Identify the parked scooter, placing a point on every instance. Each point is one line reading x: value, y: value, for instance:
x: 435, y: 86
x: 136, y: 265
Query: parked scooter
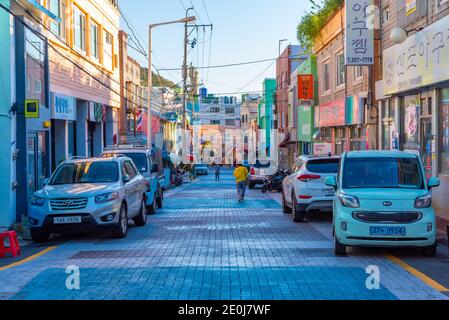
x: 274, y: 182
x: 178, y: 177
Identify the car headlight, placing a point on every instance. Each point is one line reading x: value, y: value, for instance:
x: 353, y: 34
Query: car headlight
x: 423, y: 202
x: 349, y: 201
x: 107, y: 197
x: 37, y: 201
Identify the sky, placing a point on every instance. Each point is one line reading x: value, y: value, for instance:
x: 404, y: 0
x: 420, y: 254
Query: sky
x: 244, y: 30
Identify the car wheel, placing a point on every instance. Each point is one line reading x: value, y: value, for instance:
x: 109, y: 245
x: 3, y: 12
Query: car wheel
x: 264, y: 189
x: 121, y: 230
x: 152, y: 208
x: 339, y: 249
x: 160, y: 200
x: 286, y: 209
x: 40, y: 236
x: 141, y: 219
x: 431, y: 251
x: 251, y: 185
x: 297, y: 214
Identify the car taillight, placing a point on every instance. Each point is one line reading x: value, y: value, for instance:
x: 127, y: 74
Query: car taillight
x: 308, y: 177
x: 305, y: 197
x: 253, y: 172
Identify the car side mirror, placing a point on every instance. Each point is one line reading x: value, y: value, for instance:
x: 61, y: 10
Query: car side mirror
x: 433, y: 183
x: 46, y: 181
x: 331, y: 182
x: 126, y: 179
x: 155, y: 168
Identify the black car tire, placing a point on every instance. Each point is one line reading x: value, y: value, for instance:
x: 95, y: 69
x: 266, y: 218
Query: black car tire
x: 251, y: 185
x: 152, y: 208
x: 339, y: 249
x: 160, y: 200
x: 121, y: 230
x: 431, y: 251
x: 285, y: 209
x: 298, y: 214
x: 264, y: 189
x: 141, y: 219
x: 39, y: 236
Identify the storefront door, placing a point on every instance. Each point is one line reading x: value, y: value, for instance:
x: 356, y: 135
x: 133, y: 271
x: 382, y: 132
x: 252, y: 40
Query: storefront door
x: 37, y: 161
x: 426, y: 145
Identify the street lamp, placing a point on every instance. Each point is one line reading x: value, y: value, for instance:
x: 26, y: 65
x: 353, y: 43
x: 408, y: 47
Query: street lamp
x: 280, y: 43
x: 150, y: 76
x: 399, y: 35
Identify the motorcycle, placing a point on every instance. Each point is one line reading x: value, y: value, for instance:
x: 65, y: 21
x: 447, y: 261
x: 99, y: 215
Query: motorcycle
x: 274, y: 182
x: 178, y: 177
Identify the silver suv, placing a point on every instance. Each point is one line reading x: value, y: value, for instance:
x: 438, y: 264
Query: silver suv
x: 85, y: 195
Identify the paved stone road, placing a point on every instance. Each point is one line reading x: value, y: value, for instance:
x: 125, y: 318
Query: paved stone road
x: 206, y: 245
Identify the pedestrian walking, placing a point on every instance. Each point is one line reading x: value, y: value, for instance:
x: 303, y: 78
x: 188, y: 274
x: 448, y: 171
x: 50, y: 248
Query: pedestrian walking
x: 241, y: 175
x: 217, y: 172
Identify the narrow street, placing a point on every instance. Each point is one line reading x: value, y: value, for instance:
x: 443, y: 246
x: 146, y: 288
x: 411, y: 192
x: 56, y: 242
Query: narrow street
x: 206, y: 245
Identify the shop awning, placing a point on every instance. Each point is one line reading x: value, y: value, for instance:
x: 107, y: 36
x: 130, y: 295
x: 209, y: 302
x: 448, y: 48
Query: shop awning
x: 287, y: 141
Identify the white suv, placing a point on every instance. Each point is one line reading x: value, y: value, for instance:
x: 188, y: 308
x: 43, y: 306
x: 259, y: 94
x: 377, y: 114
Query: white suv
x: 304, y: 190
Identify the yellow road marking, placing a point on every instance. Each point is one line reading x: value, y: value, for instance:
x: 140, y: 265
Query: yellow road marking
x: 30, y: 258
x: 429, y: 281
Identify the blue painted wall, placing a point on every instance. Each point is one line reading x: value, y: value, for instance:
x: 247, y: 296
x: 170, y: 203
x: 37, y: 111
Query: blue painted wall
x: 7, y: 214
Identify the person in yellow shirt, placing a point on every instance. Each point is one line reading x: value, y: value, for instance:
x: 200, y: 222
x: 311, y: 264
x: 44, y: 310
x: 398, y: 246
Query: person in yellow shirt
x: 241, y: 175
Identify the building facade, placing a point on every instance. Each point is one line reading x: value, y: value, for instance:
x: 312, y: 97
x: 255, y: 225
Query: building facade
x: 131, y: 93
x: 345, y: 115
x: 219, y: 111
x: 414, y: 92
x: 84, y: 76
x: 266, y: 119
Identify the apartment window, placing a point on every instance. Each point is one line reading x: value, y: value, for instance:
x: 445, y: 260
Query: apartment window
x: 108, y: 51
x: 95, y: 40
x: 229, y: 111
x: 340, y: 69
x: 326, y: 77
x: 38, y: 86
x: 441, y: 5
x: 358, y: 72
x: 214, y: 110
x: 58, y: 8
x: 230, y: 122
x: 385, y: 14
x: 79, y: 29
x: 28, y: 83
x: 215, y: 122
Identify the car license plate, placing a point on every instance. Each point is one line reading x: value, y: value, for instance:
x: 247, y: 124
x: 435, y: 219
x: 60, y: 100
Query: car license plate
x: 67, y: 220
x: 387, y: 231
x: 329, y: 193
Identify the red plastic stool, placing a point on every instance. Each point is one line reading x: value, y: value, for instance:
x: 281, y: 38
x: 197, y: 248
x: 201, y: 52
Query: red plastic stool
x: 14, y: 247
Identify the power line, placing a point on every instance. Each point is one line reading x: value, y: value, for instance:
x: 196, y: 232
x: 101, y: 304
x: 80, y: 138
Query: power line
x: 239, y: 63
x: 207, y: 13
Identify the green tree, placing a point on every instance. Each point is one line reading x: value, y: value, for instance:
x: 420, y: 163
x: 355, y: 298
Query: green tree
x: 312, y: 22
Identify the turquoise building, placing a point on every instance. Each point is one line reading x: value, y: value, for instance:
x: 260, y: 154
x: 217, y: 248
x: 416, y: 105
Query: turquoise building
x: 7, y: 196
x: 265, y: 112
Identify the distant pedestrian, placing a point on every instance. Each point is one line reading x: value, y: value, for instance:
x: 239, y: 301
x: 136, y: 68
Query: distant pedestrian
x: 217, y: 172
x: 241, y: 175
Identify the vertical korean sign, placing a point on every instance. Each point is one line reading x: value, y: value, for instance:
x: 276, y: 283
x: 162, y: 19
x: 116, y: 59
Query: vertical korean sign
x: 359, y: 35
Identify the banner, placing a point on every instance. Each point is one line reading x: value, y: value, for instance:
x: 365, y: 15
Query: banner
x: 422, y: 60
x: 306, y: 87
x: 63, y: 107
x: 410, y: 6
x: 359, y: 35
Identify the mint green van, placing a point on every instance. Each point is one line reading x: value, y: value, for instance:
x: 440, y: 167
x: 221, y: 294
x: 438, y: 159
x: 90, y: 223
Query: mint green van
x: 383, y: 199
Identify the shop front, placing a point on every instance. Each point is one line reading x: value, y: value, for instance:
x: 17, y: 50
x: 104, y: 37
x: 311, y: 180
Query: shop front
x: 63, y: 129
x: 33, y: 122
x: 331, y: 121
x: 420, y: 89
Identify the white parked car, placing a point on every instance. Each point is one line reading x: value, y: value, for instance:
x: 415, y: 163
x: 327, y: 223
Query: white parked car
x: 304, y: 190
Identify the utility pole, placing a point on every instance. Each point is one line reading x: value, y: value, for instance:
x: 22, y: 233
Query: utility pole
x: 184, y: 73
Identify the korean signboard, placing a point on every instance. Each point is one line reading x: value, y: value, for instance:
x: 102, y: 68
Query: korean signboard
x: 423, y: 59
x: 305, y: 87
x: 359, y: 35
x: 332, y: 114
x: 96, y: 112
x: 63, y: 107
x: 410, y: 6
x: 322, y: 149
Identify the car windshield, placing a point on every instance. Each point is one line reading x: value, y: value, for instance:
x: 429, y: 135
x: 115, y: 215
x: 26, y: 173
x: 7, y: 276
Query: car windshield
x: 382, y: 173
x: 201, y: 166
x: 139, y: 159
x: 86, y: 172
x: 323, y: 166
